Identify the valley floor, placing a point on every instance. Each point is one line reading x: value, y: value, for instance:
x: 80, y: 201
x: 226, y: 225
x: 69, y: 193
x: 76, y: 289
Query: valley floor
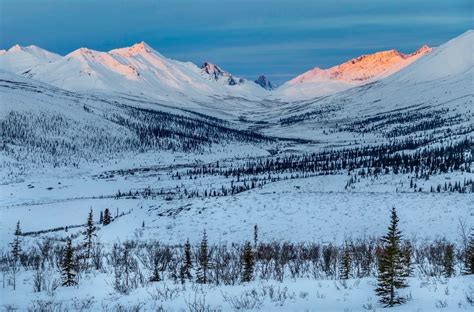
x: 317, y: 208
x: 320, y: 208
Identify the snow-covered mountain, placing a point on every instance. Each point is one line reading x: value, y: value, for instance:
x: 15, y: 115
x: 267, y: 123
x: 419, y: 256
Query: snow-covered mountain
x: 358, y: 71
x: 434, y: 92
x: 19, y: 59
x: 140, y: 70
x: 453, y: 59
x: 442, y: 79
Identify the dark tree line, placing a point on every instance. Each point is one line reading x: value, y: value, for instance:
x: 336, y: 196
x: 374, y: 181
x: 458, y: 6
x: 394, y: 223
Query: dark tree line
x: 58, y: 140
x: 379, y: 159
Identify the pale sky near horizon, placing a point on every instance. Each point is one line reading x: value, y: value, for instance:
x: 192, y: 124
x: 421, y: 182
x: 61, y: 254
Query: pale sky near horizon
x: 280, y: 39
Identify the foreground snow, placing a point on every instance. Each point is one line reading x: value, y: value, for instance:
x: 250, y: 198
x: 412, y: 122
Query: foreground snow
x: 96, y: 293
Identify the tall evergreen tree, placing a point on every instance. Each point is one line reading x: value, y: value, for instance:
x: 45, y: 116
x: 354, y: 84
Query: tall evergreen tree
x: 203, y: 268
x: 16, y: 244
x: 89, y: 234
x: 248, y: 263
x: 157, y: 267
x: 345, y: 267
x: 15, y: 253
x: 255, y: 237
x: 392, y: 271
x: 469, y: 256
x: 107, y: 217
x: 448, y: 261
x: 188, y: 263
x: 185, y: 269
x: 67, y: 266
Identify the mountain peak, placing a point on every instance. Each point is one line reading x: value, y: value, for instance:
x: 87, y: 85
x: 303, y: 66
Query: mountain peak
x: 263, y: 81
x: 218, y: 74
x: 15, y: 48
x: 213, y: 70
x: 19, y: 59
x: 363, y: 68
x: 82, y: 52
x: 137, y: 48
x: 423, y: 49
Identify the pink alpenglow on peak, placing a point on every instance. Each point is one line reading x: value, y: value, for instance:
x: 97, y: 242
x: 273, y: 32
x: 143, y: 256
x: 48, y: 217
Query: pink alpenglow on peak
x: 358, y: 71
x: 15, y: 48
x: 137, y: 48
x: 363, y: 68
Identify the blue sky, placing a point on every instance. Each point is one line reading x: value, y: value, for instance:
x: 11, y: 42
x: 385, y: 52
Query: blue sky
x: 278, y: 38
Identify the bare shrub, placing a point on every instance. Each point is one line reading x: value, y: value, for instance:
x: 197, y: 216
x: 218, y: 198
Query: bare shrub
x: 45, y: 306
x: 197, y: 303
x: 470, y: 295
x: 164, y: 293
x: 246, y: 301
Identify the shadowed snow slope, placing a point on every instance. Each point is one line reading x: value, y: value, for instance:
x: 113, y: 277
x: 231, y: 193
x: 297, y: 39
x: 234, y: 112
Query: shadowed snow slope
x: 454, y: 58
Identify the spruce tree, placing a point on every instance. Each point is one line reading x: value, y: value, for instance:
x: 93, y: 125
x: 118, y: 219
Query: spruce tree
x: 392, y: 271
x: 89, y: 233
x: 248, y: 263
x: 345, y: 268
x: 255, y: 237
x: 469, y: 256
x: 67, y: 266
x: 156, y: 276
x: 107, y: 218
x: 448, y: 261
x: 203, y: 267
x: 185, y: 268
x: 16, y: 244
x: 187, y: 263
x: 15, y: 253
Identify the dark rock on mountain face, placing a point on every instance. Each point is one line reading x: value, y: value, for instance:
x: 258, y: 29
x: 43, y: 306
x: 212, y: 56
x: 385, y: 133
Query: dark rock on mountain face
x: 218, y: 74
x: 263, y: 81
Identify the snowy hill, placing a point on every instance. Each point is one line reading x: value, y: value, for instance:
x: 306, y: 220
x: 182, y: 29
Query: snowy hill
x: 435, y: 92
x: 454, y: 58
x: 19, y: 59
x: 140, y: 70
x: 436, y: 84
x: 358, y: 71
x: 137, y: 70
